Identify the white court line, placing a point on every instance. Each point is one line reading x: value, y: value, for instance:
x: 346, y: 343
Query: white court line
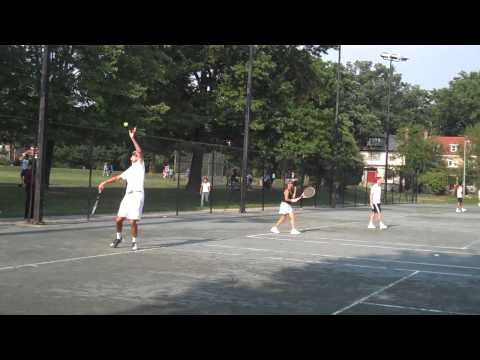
x: 348, y: 240
x: 15, y: 267
x: 469, y: 245
x: 415, y: 308
x: 346, y: 257
x: 312, y: 228
x: 375, y: 293
x: 399, y: 248
x: 440, y: 273
x: 323, y: 262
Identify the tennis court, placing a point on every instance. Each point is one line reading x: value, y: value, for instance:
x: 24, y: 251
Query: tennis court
x: 225, y: 263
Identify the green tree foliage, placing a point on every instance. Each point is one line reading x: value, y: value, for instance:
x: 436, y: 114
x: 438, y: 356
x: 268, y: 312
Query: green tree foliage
x: 434, y: 181
x: 420, y: 152
x: 458, y: 107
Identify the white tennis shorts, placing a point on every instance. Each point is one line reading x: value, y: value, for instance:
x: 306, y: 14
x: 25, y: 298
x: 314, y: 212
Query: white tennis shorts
x: 285, y: 208
x: 131, y: 206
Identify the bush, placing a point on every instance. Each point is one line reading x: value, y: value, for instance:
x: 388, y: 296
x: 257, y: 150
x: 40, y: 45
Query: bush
x: 4, y: 162
x: 434, y: 181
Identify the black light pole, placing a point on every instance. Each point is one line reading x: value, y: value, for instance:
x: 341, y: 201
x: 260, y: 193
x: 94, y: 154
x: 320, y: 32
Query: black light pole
x: 335, y: 149
x: 391, y: 58
x: 42, y: 140
x: 243, y: 189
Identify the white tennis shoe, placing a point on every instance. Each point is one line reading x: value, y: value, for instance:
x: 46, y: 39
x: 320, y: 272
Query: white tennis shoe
x: 295, y: 232
x: 371, y: 226
x: 383, y: 227
x: 275, y: 230
x: 134, y: 246
x: 463, y: 209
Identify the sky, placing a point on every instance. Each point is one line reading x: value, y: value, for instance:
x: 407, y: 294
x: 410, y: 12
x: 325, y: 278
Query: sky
x: 430, y: 66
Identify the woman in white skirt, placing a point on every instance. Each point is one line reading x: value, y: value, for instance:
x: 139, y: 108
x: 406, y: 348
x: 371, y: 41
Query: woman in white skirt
x: 286, y: 209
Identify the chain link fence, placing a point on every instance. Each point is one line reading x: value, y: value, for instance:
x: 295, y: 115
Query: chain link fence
x: 78, y: 159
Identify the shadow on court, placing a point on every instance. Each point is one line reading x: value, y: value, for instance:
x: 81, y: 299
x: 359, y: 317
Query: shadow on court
x: 322, y: 288
x: 205, y: 264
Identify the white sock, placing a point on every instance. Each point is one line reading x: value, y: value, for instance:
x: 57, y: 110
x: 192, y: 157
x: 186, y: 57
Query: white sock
x: 134, y: 240
x: 119, y: 235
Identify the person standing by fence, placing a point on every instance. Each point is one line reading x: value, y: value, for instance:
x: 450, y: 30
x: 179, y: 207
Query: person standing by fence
x: 205, y: 188
x: 459, y: 193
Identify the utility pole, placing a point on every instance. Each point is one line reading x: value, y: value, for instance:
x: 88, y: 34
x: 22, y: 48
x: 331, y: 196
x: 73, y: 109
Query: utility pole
x: 333, y: 195
x: 391, y: 58
x: 41, y: 141
x: 243, y: 189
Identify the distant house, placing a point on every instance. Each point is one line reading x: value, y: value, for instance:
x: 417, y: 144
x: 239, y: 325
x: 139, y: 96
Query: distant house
x: 452, y: 154
x: 374, y: 156
x: 450, y: 147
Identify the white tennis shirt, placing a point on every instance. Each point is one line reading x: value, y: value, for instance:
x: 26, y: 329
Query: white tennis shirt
x: 205, y: 186
x: 376, y: 193
x: 135, y: 176
x: 459, y: 191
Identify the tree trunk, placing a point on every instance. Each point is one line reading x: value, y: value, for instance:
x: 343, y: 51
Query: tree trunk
x: 49, y: 161
x: 153, y: 164
x: 195, y: 176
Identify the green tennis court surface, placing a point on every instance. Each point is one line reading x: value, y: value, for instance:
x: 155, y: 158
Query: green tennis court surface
x: 225, y: 263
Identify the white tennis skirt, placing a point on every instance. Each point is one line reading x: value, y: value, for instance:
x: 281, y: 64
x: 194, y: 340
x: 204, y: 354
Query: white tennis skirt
x: 285, y: 208
x: 131, y: 206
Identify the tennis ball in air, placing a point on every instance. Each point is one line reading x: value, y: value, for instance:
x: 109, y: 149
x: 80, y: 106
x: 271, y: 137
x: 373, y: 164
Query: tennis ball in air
x: 125, y: 124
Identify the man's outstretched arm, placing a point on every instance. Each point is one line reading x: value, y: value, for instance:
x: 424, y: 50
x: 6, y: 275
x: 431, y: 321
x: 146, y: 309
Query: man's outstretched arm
x: 138, y: 149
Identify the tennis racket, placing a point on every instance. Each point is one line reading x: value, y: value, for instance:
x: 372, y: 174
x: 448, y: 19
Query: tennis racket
x: 96, y: 202
x: 308, y: 192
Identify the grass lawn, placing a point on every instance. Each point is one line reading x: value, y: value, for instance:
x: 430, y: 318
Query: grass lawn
x: 69, y: 194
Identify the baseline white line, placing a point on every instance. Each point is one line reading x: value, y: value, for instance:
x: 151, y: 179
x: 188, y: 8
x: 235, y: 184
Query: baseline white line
x: 279, y: 258
x: 348, y: 240
x: 400, y: 248
x: 469, y: 245
x: 312, y: 228
x: 15, y: 267
x: 322, y: 262
x: 415, y: 308
x: 346, y: 257
x: 375, y: 293
x: 440, y: 273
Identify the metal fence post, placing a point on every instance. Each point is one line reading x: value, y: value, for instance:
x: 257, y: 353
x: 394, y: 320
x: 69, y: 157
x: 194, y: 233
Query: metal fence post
x: 178, y: 187
x: 210, y: 200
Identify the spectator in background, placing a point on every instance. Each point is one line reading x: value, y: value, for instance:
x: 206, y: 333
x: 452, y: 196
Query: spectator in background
x: 267, y: 181
x: 23, y: 168
x: 29, y: 183
x: 249, y: 181
x: 105, y: 169
x: 459, y: 192
x: 170, y: 173
x: 204, y: 190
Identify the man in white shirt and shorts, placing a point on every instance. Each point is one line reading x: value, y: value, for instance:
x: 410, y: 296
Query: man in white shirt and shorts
x: 131, y: 207
x: 375, y: 205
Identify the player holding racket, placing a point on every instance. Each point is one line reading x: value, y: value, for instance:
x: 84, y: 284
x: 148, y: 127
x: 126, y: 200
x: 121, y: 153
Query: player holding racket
x: 288, y: 197
x: 131, y: 207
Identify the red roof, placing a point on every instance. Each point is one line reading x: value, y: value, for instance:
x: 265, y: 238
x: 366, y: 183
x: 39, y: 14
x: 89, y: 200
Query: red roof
x: 446, y: 141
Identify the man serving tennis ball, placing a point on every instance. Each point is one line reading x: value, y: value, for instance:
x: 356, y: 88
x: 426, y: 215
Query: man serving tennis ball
x: 131, y: 207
